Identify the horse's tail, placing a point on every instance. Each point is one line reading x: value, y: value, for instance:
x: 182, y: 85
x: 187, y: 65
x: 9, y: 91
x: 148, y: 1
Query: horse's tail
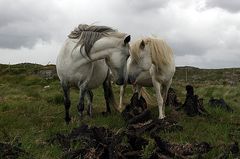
x: 147, y: 96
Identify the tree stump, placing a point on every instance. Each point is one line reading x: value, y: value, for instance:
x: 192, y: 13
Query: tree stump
x: 193, y: 105
x: 172, y: 100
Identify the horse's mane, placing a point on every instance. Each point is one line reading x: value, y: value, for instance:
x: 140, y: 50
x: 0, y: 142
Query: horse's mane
x: 89, y: 34
x: 161, y: 53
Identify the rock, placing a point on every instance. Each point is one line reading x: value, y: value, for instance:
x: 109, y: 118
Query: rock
x: 46, y: 87
x: 50, y: 73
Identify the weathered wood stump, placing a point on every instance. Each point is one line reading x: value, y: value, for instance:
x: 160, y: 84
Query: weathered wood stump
x: 193, y: 105
x: 172, y: 99
x: 136, y: 111
x: 220, y: 103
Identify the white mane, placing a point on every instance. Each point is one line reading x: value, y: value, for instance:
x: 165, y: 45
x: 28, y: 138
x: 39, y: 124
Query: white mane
x: 89, y: 34
x: 161, y: 53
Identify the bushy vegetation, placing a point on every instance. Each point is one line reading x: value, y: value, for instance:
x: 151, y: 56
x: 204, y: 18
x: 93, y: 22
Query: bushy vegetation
x: 31, y: 113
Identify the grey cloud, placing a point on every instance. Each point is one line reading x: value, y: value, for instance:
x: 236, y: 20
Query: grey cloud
x: 229, y: 5
x: 187, y: 47
x: 145, y: 6
x: 25, y: 39
x: 23, y: 23
x: 190, y: 32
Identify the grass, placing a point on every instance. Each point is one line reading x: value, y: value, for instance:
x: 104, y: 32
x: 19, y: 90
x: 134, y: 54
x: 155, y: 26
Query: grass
x: 31, y: 113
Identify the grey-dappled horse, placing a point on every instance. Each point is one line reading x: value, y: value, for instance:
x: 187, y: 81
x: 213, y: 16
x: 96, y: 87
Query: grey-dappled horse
x: 85, y: 59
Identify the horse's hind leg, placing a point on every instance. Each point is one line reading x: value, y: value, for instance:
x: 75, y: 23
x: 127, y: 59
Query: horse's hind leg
x: 80, y: 106
x: 108, y: 94
x: 138, y: 89
x: 165, y: 88
x: 89, y: 102
x: 67, y: 102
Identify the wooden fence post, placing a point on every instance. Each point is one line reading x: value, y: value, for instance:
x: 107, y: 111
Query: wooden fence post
x: 186, y: 74
x: 9, y: 67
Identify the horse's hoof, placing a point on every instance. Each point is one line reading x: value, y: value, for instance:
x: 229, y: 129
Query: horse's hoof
x: 80, y: 115
x: 67, y: 120
x: 120, y: 107
x: 89, y: 114
x: 162, y: 117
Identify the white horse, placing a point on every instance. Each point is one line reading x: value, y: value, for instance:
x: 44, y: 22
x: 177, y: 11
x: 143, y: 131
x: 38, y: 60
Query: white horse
x: 151, y: 63
x: 84, y: 61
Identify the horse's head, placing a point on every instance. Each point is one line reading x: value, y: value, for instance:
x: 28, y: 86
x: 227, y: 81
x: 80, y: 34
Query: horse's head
x: 102, y: 42
x: 139, y: 60
x: 117, y: 60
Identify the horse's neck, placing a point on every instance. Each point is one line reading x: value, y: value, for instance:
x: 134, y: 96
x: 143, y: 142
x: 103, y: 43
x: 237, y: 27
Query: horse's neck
x: 100, y: 50
x: 103, y: 47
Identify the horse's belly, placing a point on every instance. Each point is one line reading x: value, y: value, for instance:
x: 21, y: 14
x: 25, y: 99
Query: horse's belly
x: 99, y: 74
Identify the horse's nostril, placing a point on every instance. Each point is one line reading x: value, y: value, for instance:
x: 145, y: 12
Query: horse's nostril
x: 131, y: 79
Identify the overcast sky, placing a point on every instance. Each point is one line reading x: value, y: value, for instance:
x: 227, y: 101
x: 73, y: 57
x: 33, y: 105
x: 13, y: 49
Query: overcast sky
x: 202, y: 33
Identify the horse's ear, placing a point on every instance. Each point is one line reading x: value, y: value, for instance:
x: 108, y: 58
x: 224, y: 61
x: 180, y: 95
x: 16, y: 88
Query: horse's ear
x: 142, y: 45
x: 127, y: 39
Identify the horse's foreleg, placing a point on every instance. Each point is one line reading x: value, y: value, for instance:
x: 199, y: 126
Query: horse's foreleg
x: 157, y: 87
x: 122, y: 91
x: 138, y: 90
x: 108, y: 94
x: 89, y: 102
x: 67, y: 102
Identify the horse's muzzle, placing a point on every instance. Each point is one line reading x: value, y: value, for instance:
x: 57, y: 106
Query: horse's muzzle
x: 131, y: 80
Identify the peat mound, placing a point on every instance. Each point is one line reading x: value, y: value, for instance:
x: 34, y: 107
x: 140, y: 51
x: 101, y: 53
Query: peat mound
x: 102, y: 143
x: 172, y: 99
x: 98, y: 142
x: 182, y: 151
x: 220, y: 103
x: 10, y: 151
x: 193, y: 105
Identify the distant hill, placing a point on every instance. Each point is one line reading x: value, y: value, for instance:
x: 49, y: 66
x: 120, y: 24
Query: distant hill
x: 213, y: 76
x: 187, y: 74
x: 47, y: 71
